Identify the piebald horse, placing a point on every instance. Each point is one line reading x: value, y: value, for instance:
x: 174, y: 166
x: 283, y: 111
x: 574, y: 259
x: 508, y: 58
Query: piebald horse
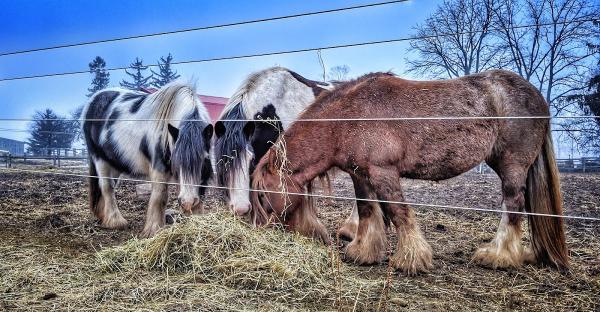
x: 161, y: 136
x: 377, y: 154
x: 272, y: 99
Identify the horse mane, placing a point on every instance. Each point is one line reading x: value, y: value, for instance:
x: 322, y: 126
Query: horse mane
x: 342, y: 87
x: 259, y: 215
x: 230, y: 143
x: 165, y: 105
x: 246, y: 87
x: 190, y: 148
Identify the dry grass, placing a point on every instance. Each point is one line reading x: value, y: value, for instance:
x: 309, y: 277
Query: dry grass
x: 53, y: 256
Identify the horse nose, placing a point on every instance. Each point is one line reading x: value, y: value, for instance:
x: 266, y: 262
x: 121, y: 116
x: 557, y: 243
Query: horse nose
x: 240, y: 209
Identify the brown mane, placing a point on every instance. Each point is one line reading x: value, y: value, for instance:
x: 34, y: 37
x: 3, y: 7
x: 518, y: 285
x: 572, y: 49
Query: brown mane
x: 259, y: 214
x: 340, y: 90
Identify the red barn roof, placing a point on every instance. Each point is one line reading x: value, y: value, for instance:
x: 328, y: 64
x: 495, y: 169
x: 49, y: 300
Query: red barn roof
x: 214, y: 104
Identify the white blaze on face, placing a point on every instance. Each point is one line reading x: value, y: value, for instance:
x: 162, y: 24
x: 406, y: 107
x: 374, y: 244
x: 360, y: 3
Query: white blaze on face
x: 188, y: 194
x: 239, y: 183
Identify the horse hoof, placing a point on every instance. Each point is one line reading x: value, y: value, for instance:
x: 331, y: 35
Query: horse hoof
x: 492, y: 256
x: 347, y: 232
x: 412, y: 266
x: 362, y: 254
x: 149, y: 232
x: 414, y: 256
x: 322, y: 236
x: 116, y: 223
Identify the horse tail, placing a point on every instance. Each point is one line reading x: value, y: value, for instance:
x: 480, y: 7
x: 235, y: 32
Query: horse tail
x: 94, y: 192
x: 543, y: 196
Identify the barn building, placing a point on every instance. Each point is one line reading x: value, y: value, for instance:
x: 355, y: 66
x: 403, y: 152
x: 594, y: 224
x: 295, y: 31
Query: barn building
x: 13, y: 146
x: 214, y: 105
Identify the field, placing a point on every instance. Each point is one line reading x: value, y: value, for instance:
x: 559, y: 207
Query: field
x: 50, y: 243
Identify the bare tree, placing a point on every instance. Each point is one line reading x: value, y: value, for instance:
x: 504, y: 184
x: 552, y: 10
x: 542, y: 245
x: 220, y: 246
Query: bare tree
x: 456, y: 40
x: 339, y: 73
x: 552, y: 51
x: 522, y: 44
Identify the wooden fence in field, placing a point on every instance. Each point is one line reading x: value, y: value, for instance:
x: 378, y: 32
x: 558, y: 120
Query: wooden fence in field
x: 584, y: 164
x: 55, y: 157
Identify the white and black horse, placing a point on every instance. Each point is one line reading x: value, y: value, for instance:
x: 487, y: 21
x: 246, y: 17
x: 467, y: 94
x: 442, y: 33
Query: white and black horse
x: 274, y: 93
x: 163, y: 136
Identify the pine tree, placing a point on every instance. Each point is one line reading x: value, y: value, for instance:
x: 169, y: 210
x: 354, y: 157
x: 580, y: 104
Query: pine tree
x: 101, y: 75
x: 165, y: 73
x: 139, y: 81
x: 48, y: 130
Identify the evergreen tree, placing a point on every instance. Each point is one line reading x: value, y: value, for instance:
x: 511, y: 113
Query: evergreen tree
x: 165, y: 74
x: 139, y: 81
x: 101, y: 75
x: 48, y: 130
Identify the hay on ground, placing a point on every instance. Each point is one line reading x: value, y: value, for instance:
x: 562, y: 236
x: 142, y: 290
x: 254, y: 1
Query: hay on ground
x: 220, y: 249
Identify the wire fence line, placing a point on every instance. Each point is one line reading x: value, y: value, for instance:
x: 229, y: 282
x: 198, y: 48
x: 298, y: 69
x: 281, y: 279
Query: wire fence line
x: 417, y: 118
x: 330, y: 47
x: 194, y: 29
x: 414, y: 204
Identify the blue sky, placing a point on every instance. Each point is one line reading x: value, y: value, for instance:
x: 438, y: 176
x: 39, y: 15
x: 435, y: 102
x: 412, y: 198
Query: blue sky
x: 34, y: 24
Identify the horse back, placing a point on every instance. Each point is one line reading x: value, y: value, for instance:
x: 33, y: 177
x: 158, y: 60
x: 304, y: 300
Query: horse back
x: 435, y: 147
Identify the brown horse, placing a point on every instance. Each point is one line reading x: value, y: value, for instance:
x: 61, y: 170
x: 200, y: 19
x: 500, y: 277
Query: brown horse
x: 378, y: 153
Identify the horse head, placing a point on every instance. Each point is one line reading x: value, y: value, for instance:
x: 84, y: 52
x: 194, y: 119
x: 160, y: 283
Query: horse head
x: 241, y: 144
x: 275, y: 193
x: 190, y: 161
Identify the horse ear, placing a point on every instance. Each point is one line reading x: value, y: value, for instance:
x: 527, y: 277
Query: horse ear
x: 219, y: 129
x: 249, y: 129
x: 207, y: 133
x: 174, y: 132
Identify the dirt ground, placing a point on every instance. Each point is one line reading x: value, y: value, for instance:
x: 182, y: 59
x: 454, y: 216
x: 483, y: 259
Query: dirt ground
x: 46, y: 230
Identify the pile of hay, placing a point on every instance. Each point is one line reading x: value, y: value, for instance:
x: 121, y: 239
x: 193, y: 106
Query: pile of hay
x: 272, y: 264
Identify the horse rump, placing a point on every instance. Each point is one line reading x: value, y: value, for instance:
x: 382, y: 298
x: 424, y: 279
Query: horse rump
x: 543, y: 196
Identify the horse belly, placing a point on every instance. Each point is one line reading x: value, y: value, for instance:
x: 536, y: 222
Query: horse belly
x: 441, y: 157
